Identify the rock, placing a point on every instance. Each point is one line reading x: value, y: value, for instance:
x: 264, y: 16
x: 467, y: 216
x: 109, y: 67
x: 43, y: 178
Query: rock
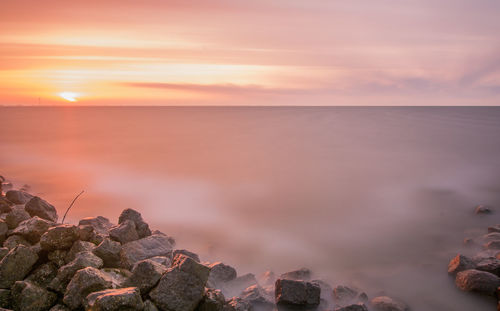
x: 186, y: 253
x: 3, y: 251
x: 100, y: 224
x: 237, y: 286
x: 267, y: 278
x: 483, y: 209
x: 492, y: 236
x: 18, y: 197
x: 3, y: 230
x: 16, y: 265
x: 151, y: 246
x: 221, y: 273
x: 344, y: 295
x: 460, y: 263
x: 84, y: 282
x: 58, y: 257
x: 297, y: 293
x: 5, y: 205
x: 15, y: 240
x: 5, y: 298
x: 66, y: 273
x: 162, y: 260
x: 16, y: 216
x: 32, y: 229
x: 477, y: 281
x: 43, y: 275
x: 181, y: 287
x: 384, y: 303
x: 170, y: 239
x: 118, y: 276
x: 303, y: 274
x: 258, y: 298
x: 109, y: 252
x: 495, y: 228
x: 134, y: 216
x: 491, y: 265
x: 59, y: 237
x: 149, y: 306
x: 124, y: 232
x: 492, y: 245
x: 145, y: 275
x: 28, y: 296
x: 79, y: 246
x: 489, y: 253
x: 115, y: 300
x: 237, y: 304
x: 326, y: 297
x: 213, y: 300
x: 353, y: 307
x: 41, y: 208
x: 59, y: 307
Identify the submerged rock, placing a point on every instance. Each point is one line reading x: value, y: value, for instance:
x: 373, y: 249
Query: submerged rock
x: 237, y: 286
x: 151, y: 246
x: 132, y: 215
x: 115, y: 300
x: 478, y: 281
x: 16, y: 265
x: 297, y: 293
x: 28, y: 296
x: 384, y: 303
x: 41, y: 208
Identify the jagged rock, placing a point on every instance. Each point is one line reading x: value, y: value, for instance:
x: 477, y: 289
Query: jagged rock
x: 3, y: 251
x: 16, y: 265
x: 181, y: 287
x: 353, y: 307
x: 109, y: 252
x: 28, y: 296
x: 87, y: 233
x: 478, y: 281
x: 58, y: 257
x: 43, y: 275
x: 151, y: 246
x: 384, y: 303
x: 15, y: 240
x: 59, y: 307
x: 59, y: 237
x: 492, y: 245
x: 66, y: 273
x: 124, y: 232
x: 41, y: 208
x: 5, y: 298
x: 3, y: 231
x: 460, y: 263
x: 237, y: 286
x: 115, y: 300
x: 162, y: 260
x: 118, y: 276
x: 145, y: 275
x: 237, y: 304
x: 134, y: 216
x: 100, y: 224
x: 483, y: 209
x: 170, y: 239
x: 32, y: 229
x: 213, y: 300
x: 267, y: 278
x: 221, y: 273
x: 16, y: 216
x: 491, y: 265
x: 84, y: 282
x: 149, y: 306
x: 5, y: 205
x: 258, y: 298
x: 18, y: 197
x: 297, y: 293
x: 495, y: 228
x: 186, y: 253
x: 303, y: 274
x: 79, y: 246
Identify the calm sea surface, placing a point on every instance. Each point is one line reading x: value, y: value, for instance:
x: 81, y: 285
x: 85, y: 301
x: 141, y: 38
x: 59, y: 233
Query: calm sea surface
x: 378, y: 197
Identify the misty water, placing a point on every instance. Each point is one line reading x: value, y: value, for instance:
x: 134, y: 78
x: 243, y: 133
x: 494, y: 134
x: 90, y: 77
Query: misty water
x: 380, y: 198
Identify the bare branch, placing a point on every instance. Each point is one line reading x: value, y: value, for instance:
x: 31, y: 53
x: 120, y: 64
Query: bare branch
x: 71, y: 206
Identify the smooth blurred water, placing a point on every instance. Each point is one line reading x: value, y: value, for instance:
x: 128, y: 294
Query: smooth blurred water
x: 377, y: 197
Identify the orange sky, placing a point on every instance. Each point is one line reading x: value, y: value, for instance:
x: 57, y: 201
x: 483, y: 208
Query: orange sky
x: 280, y: 52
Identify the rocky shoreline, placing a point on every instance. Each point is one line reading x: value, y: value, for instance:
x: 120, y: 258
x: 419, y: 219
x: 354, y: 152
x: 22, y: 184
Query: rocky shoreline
x: 97, y: 265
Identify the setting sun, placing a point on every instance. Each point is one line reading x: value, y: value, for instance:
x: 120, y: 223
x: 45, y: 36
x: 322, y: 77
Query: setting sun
x: 69, y: 96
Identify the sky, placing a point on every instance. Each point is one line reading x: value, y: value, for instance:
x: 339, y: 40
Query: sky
x: 274, y: 52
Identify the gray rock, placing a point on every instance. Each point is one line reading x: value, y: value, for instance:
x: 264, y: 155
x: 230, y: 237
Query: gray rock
x: 353, y: 307
x: 213, y: 300
x: 221, y: 273
x: 489, y: 253
x: 16, y: 216
x: 5, y: 299
x: 28, y: 296
x: 5, y: 205
x: 134, y: 216
x: 491, y: 265
x: 59, y: 307
x: 3, y: 251
x: 66, y: 272
x: 237, y: 304
x: 58, y: 257
x: 478, y: 281
x: 79, y: 246
x: 149, y: 306
x: 41, y: 208
x: 267, y: 278
x: 170, y: 239
x: 303, y: 274
x: 59, y: 237
x: 384, y: 303
x: 84, y: 282
x: 43, y: 275
x: 109, y: 252
x: 100, y: 224
x: 258, y: 298
x: 32, y: 229
x: 162, y: 260
x: 326, y: 292
x: 15, y: 240
x: 145, y: 275
x: 186, y: 253
x: 16, y: 265
x: 3, y: 231
x: 124, y: 232
x: 115, y: 300
x: 181, y: 287
x: 297, y: 293
x: 460, y: 263
x: 151, y: 246
x: 18, y: 197
x: 118, y: 276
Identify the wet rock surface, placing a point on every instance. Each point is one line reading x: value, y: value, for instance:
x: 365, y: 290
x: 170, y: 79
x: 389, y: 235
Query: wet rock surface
x: 297, y: 293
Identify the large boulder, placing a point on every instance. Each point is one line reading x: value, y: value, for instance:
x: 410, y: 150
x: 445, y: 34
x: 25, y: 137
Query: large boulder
x: 77, y: 247
x: 258, y: 298
x: 151, y: 246
x: 28, y: 296
x: 18, y: 197
x: 16, y: 265
x: 41, y: 208
x: 145, y: 275
x: 460, y: 263
x: 16, y: 216
x: 115, y: 300
x: 303, y: 274
x: 221, y: 273
x: 181, y: 287
x: 124, y: 232
x: 213, y: 300
x: 297, y: 293
x: 478, y: 281
x: 59, y: 237
x: 100, y: 224
x: 134, y: 216
x: 109, y: 252
x: 84, y: 282
x: 32, y: 229
x: 384, y: 303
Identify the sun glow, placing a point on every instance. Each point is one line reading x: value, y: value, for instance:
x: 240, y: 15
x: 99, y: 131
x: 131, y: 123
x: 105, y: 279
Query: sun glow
x: 69, y: 96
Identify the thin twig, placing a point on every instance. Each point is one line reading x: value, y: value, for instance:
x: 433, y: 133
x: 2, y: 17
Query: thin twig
x: 71, y: 206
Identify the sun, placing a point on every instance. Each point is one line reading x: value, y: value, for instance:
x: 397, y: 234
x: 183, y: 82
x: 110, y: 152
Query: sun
x: 69, y: 96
